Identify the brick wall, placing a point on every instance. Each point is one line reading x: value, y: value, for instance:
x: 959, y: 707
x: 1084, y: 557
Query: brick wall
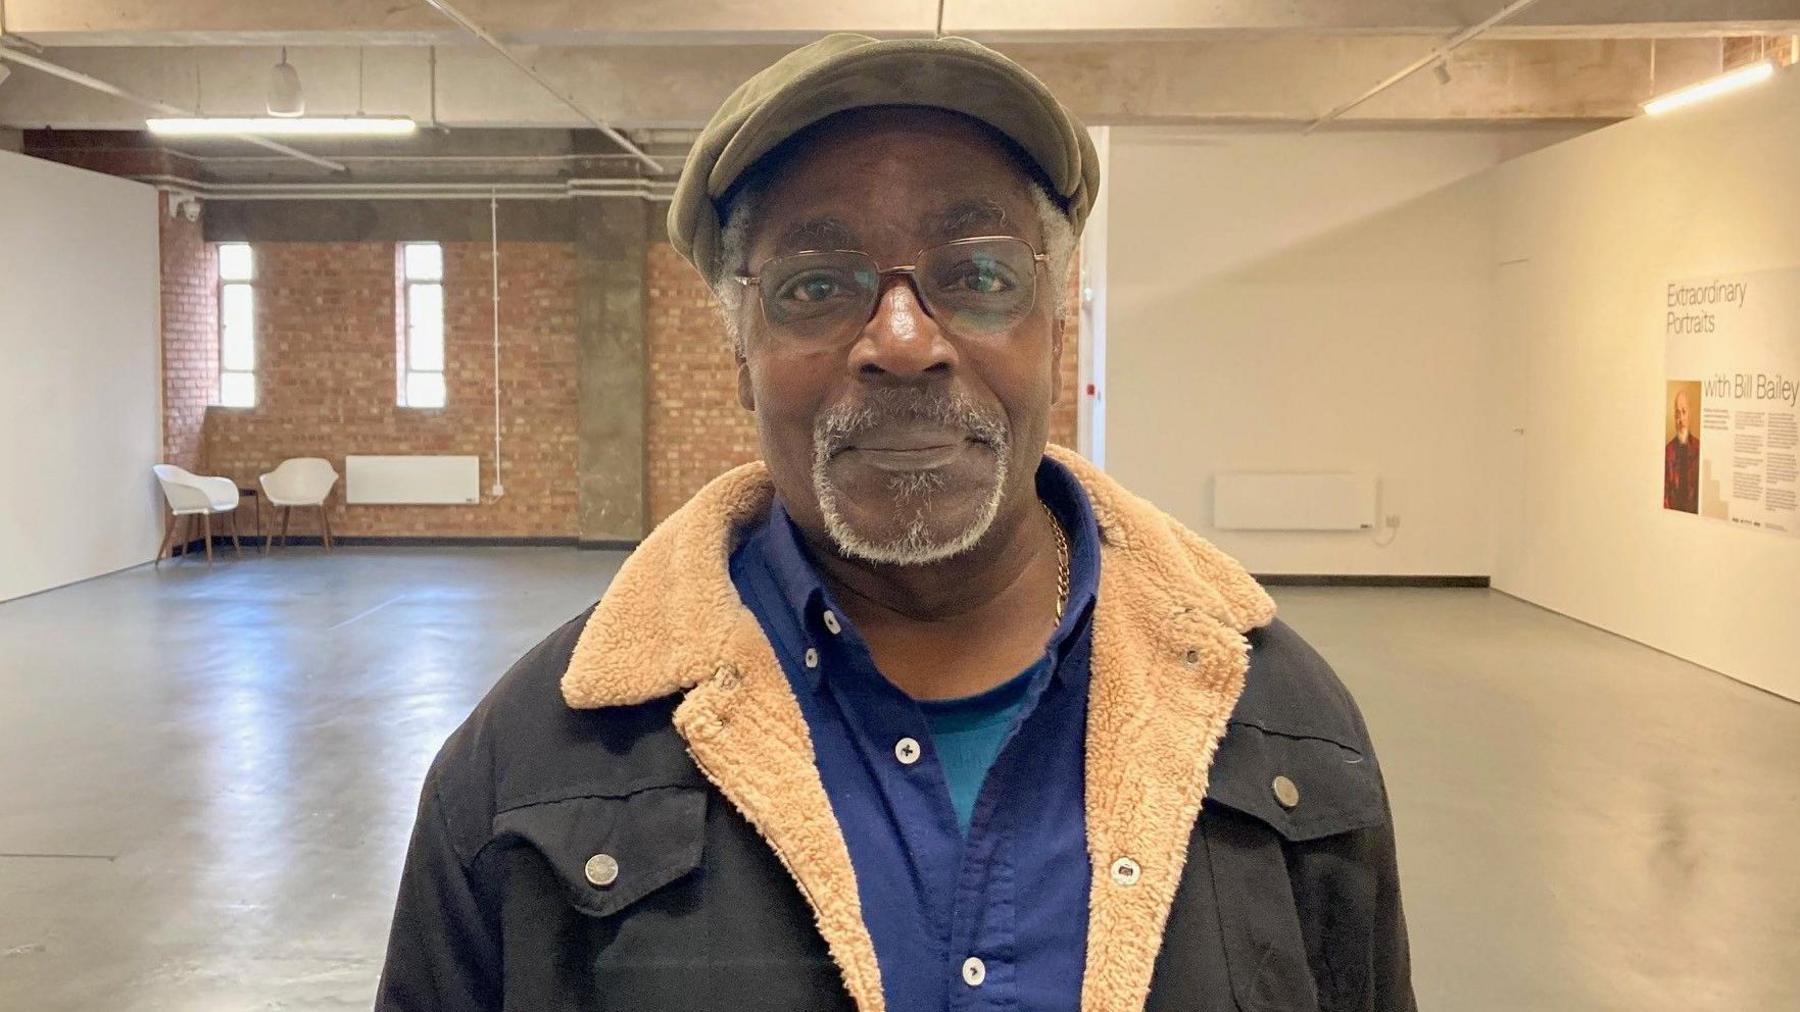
x: 326, y: 327
x: 1740, y: 50
x: 190, y: 358
x: 326, y: 343
x: 1065, y: 412
x: 696, y: 428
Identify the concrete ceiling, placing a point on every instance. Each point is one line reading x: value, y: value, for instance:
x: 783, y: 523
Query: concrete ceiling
x: 649, y: 65
x: 786, y: 22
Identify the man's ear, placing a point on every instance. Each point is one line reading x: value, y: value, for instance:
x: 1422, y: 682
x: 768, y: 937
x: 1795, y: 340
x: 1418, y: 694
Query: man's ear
x: 746, y: 395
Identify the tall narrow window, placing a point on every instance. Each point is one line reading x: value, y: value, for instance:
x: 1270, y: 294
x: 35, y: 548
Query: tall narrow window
x: 422, y: 325
x: 237, y: 325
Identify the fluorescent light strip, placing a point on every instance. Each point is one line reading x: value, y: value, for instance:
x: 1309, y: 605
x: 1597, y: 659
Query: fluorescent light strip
x: 1742, y: 77
x: 271, y: 126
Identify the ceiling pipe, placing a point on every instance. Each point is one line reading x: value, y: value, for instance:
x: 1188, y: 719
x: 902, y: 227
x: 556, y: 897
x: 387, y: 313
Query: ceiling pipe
x: 412, y: 159
x: 77, y: 77
x: 444, y: 8
x: 645, y: 189
x: 1436, y: 55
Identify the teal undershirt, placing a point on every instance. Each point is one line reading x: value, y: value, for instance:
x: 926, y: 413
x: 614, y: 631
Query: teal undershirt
x: 968, y: 734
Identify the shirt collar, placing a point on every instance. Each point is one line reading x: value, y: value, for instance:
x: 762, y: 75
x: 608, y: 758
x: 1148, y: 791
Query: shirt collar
x: 804, y: 600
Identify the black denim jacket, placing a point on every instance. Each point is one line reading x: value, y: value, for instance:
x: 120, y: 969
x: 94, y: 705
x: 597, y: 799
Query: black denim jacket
x: 1288, y: 902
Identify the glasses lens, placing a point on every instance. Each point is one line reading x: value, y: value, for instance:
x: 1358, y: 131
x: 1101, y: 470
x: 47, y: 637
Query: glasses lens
x: 819, y: 296
x: 980, y: 286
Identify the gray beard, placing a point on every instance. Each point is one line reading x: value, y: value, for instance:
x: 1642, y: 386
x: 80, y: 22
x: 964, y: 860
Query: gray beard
x: 913, y: 492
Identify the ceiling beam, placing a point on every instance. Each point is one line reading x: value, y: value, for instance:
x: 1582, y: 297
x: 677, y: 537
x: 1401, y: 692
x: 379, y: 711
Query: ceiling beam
x: 1438, y: 56
x: 739, y: 22
x: 554, y: 91
x: 1277, y: 79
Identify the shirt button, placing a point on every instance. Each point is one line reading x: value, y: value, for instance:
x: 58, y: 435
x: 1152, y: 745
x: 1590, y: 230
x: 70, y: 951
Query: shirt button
x: 907, y: 751
x: 1125, y: 872
x: 831, y: 623
x: 1287, y: 792
x: 602, y: 870
x: 812, y: 658
x: 974, y: 971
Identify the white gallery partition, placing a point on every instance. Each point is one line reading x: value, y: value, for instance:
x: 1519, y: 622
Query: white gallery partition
x: 1591, y: 234
x: 1477, y: 318
x: 79, y: 376
x: 1288, y: 303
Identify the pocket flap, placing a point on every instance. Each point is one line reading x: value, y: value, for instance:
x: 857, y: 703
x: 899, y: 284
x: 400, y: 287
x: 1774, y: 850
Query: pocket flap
x: 1304, y: 788
x: 637, y: 844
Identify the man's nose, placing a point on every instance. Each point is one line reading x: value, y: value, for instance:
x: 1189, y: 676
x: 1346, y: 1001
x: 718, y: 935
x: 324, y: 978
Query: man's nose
x: 902, y: 341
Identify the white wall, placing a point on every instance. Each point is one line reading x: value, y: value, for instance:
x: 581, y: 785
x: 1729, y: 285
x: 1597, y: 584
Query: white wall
x: 1587, y: 234
x: 1280, y: 302
x: 79, y: 378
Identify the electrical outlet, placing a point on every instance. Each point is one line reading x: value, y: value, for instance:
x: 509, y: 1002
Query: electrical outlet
x: 1393, y: 521
x: 497, y: 491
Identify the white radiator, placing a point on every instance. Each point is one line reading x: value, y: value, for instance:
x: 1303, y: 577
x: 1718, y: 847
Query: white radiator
x: 390, y: 481
x: 1293, y: 501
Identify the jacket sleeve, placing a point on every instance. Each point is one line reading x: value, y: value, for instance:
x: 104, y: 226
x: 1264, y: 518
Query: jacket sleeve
x: 443, y: 950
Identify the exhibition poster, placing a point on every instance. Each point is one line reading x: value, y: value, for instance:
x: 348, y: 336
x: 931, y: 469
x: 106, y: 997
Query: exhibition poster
x: 1731, y: 421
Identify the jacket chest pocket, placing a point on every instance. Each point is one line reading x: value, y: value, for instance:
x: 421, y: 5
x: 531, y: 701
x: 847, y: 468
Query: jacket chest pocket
x: 658, y: 899
x: 1281, y: 827
x: 608, y: 853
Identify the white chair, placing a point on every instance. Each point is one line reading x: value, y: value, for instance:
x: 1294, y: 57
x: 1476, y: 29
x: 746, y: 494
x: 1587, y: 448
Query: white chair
x: 191, y: 495
x: 301, y: 481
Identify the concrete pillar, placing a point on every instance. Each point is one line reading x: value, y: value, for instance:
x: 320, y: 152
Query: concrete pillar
x: 611, y: 234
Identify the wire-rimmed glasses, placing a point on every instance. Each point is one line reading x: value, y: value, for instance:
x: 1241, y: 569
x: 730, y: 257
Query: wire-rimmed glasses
x: 984, y: 285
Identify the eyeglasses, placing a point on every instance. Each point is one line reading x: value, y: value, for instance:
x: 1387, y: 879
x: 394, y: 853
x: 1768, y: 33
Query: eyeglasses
x: 978, y: 286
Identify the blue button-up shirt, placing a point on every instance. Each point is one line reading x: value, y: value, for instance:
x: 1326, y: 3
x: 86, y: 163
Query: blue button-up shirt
x: 994, y: 918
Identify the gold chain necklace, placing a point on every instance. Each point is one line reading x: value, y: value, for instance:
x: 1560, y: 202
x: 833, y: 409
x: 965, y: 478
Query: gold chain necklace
x: 1062, y: 562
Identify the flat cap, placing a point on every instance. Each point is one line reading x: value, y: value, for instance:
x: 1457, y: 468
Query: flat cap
x: 848, y: 71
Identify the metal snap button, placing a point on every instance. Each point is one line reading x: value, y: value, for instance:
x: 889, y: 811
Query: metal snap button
x: 1287, y: 792
x: 602, y: 870
x: 831, y: 623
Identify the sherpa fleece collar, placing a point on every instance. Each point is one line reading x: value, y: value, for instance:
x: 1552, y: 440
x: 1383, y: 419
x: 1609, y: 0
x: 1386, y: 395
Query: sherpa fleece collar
x: 1168, y: 663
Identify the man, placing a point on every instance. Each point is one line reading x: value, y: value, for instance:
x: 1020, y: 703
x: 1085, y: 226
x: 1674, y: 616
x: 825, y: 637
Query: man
x: 914, y: 715
x: 1681, y: 463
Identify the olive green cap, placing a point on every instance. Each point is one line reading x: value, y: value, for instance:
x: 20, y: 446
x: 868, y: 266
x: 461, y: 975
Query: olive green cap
x: 847, y: 71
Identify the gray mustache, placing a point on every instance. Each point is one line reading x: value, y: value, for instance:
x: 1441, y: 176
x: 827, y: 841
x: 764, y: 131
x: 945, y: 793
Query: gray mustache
x: 882, y: 410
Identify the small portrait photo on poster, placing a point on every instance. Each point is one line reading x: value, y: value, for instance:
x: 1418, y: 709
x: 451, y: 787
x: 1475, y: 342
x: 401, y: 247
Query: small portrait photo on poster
x: 1681, y: 446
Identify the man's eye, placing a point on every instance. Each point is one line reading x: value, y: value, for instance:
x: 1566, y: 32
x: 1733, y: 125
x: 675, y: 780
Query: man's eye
x: 983, y: 280
x: 816, y: 288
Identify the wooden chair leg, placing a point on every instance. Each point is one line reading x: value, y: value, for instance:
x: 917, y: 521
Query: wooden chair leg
x: 287, y: 513
x: 168, y: 541
x: 206, y: 519
x: 184, y: 528
x: 235, y: 543
x: 325, y: 527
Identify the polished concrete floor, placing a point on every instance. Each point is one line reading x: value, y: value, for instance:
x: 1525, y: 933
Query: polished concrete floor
x: 206, y: 781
